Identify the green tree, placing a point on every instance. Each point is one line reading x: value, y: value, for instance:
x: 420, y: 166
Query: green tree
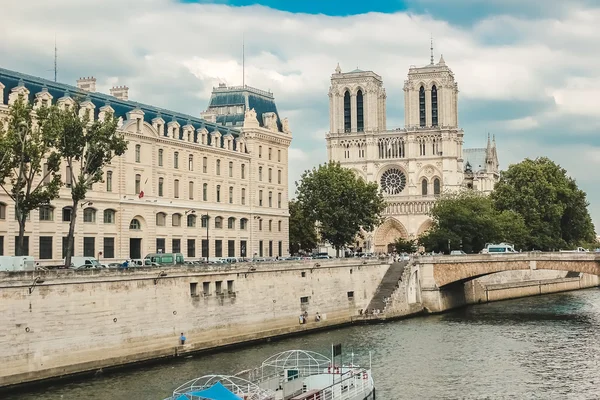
x: 554, y: 209
x: 303, y: 234
x: 340, y: 202
x: 405, y: 246
x: 467, y: 220
x: 29, y: 173
x: 87, y: 147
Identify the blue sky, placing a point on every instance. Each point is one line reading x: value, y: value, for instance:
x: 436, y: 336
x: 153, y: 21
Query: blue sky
x: 526, y: 69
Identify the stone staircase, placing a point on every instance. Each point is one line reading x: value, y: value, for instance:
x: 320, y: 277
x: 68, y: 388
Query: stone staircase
x: 387, y: 285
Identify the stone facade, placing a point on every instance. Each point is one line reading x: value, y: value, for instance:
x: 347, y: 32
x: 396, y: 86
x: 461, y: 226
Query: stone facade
x: 412, y: 165
x: 177, y: 169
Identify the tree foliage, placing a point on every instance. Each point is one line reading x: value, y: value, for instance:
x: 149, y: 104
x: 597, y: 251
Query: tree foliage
x: 27, y: 142
x: 467, y: 220
x: 87, y: 147
x: 303, y: 234
x: 554, y: 209
x: 340, y: 202
x: 405, y: 246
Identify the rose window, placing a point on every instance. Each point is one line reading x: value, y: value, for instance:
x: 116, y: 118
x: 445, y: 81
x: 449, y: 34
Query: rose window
x: 393, y: 181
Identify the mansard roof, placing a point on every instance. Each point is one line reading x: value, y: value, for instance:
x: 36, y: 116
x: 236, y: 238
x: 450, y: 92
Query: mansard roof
x: 247, y: 97
x: 121, y: 107
x: 476, y: 158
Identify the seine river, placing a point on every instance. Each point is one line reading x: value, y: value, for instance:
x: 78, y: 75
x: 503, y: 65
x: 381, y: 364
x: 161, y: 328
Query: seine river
x: 545, y: 347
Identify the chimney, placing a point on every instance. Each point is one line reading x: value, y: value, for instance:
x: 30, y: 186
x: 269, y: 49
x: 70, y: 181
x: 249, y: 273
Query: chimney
x: 88, y: 84
x: 120, y: 92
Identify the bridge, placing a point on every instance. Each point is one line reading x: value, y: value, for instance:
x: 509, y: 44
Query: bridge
x: 440, y: 280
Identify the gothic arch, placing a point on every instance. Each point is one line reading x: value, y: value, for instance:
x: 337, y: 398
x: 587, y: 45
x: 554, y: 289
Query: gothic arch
x: 435, y: 172
x: 387, y: 233
x: 425, y: 226
x: 431, y: 84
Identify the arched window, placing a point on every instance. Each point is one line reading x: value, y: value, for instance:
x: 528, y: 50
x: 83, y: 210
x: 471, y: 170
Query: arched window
x: 243, y: 199
x: 360, y: 119
x: 347, y: 112
x: 138, y: 153
x: 46, y: 213
x: 279, y: 226
x: 218, y: 193
x: 424, y: 187
x: 191, y: 162
x: 205, y: 192
x: 260, y: 174
x: 436, y: 186
x: 243, y: 223
x: 230, y: 223
x: 230, y: 194
x: 109, y: 216
x: 191, y: 221
x: 135, y: 225
x: 176, y: 160
x: 161, y: 219
x: 218, y: 167
x: 434, y: 106
x: 422, y: 106
x: 218, y: 222
x: 161, y: 185
x: 89, y: 215
x: 176, y: 220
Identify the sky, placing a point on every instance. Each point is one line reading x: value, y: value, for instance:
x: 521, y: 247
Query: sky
x: 527, y: 70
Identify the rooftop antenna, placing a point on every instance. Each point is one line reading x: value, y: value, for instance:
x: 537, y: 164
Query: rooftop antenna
x: 55, y: 59
x: 431, y: 48
x: 243, y: 62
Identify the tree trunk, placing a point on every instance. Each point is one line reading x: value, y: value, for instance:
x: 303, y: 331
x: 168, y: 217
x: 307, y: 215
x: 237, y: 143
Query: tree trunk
x: 21, y: 218
x: 71, y: 234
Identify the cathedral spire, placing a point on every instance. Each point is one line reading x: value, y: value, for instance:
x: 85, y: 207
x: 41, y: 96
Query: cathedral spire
x: 489, y: 144
x: 431, y: 48
x: 338, y: 70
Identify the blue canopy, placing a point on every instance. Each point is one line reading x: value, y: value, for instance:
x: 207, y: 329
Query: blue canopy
x: 215, y: 392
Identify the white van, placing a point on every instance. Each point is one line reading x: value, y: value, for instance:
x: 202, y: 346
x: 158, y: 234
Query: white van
x: 85, y: 262
x: 498, y: 248
x: 17, y: 263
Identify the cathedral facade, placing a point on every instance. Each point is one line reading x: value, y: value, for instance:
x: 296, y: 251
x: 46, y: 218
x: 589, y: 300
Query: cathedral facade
x: 412, y: 165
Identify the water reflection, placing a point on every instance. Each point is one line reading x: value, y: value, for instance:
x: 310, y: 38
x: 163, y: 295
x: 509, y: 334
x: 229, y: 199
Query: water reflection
x: 539, y: 347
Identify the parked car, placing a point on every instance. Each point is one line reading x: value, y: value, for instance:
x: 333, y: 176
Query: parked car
x: 457, y: 253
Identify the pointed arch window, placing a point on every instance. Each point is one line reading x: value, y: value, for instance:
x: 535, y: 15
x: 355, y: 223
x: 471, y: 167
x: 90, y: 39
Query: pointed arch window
x: 424, y: 187
x: 422, y: 106
x: 434, y: 106
x: 436, y: 186
x: 347, y: 111
x: 360, y: 116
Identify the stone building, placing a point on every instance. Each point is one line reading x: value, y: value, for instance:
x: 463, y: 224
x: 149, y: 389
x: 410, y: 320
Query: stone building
x: 414, y: 164
x: 214, y: 186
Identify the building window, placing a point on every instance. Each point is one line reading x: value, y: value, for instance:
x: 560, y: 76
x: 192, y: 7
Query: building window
x: 89, y: 247
x: 260, y: 174
x: 260, y: 224
x: 243, y: 200
x: 205, y: 192
x: 176, y: 160
x: 204, y: 221
x: 434, y: 106
x: 219, y: 222
x: 138, y: 153
x: 230, y: 253
x: 279, y: 176
x: 161, y: 185
x: 46, y: 213
x: 259, y: 151
x: 436, y: 186
x: 279, y: 226
x: 422, y: 106
x: 270, y: 151
x: 135, y: 225
x: 2, y: 211
x: 347, y: 112
x: 191, y: 190
x: 25, y: 250
x: 230, y: 169
x: 270, y: 248
x: 270, y: 199
x: 218, y: 253
x: 160, y: 157
x: 243, y: 171
x: 1, y: 245
x: 280, y: 248
x: 204, y: 164
x: 243, y: 245
x: 231, y: 194
x: 191, y: 162
x: 218, y: 193
x: 270, y: 225
x: 176, y: 220
x: 109, y: 247
x: 109, y: 181
x: 89, y: 215
x: 218, y: 167
x: 109, y: 216
x: 424, y: 187
x: 260, y: 248
x: 191, y: 221
x: 176, y: 245
x: 138, y: 183
x: 176, y: 188
x: 191, y: 252
x: 161, y: 219
x: 278, y: 200
x: 65, y: 244
x: 68, y: 177
x: 360, y: 120
x: 270, y: 174
x: 260, y: 197
x: 230, y: 223
x: 278, y: 155
x: 243, y: 224
x: 161, y: 245
x: 45, y: 247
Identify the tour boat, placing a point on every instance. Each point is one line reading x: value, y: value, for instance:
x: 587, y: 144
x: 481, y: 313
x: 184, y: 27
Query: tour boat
x: 290, y: 375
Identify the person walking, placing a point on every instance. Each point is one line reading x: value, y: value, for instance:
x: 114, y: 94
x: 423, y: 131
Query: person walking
x: 182, y: 339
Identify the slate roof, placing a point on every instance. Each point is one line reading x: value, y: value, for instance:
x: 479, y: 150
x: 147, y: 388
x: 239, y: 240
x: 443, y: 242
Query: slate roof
x: 246, y: 96
x: 11, y: 79
x: 475, y: 157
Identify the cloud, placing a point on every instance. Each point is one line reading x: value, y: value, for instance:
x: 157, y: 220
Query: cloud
x: 522, y: 66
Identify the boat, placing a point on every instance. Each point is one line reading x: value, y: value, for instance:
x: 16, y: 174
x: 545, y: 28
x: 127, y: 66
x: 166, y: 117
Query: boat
x: 289, y: 375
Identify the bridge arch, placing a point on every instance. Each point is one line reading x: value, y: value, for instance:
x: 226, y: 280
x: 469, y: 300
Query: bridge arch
x: 460, y: 269
x: 387, y: 233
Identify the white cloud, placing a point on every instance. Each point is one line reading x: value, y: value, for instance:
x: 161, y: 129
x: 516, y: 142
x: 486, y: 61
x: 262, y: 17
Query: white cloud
x: 295, y: 154
x: 522, y: 123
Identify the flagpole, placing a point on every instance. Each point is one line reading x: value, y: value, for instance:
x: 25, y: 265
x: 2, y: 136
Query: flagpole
x: 332, y: 366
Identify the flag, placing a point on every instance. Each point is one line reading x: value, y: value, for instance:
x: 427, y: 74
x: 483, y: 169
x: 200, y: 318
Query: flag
x: 141, y: 194
x: 337, y: 350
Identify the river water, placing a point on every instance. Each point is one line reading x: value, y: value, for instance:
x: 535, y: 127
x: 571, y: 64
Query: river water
x: 545, y: 347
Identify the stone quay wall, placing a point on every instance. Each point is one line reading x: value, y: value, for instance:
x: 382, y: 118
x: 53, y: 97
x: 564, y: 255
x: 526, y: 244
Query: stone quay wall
x: 75, y: 321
